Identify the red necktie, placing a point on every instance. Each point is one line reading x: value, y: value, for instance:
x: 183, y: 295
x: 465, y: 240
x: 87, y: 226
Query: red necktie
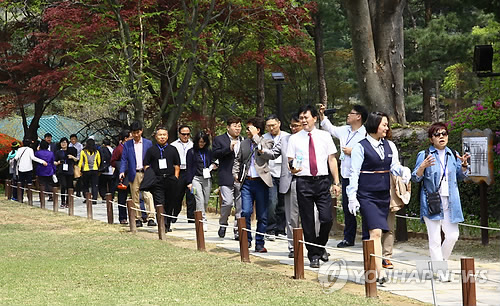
x: 313, y: 167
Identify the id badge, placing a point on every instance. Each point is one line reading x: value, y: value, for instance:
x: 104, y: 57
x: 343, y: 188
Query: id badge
x: 65, y: 167
x: 206, y: 173
x: 342, y: 155
x: 162, y: 163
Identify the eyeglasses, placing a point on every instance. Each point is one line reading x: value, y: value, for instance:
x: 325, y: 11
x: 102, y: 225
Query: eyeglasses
x: 185, y: 134
x: 353, y: 113
x: 437, y: 134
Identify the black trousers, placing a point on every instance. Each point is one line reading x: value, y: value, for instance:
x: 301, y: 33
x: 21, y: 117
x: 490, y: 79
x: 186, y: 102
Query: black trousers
x: 122, y: 197
x: 66, y: 182
x: 105, y: 182
x: 164, y: 194
x: 91, y: 181
x: 46, y: 184
x: 313, y: 191
x: 24, y: 178
x: 183, y: 190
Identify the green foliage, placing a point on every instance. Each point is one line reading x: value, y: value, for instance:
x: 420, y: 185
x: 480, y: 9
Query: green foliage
x: 478, y: 117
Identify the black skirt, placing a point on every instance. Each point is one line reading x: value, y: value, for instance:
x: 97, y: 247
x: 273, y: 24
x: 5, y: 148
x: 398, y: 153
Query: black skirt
x: 374, y: 208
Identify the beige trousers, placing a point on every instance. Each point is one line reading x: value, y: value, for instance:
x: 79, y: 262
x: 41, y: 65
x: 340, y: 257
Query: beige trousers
x: 146, y: 196
x: 388, y: 238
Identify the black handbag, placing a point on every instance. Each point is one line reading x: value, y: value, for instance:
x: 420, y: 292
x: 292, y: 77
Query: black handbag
x: 434, y: 199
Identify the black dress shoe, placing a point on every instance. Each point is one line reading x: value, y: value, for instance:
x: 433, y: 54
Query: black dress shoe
x: 344, y: 244
x: 249, y: 244
x: 138, y: 223
x: 324, y: 256
x: 259, y: 248
x: 222, y: 232
x: 168, y: 230
x: 382, y: 280
x: 191, y: 221
x: 151, y: 223
x: 291, y: 254
x: 314, y: 263
x: 236, y: 236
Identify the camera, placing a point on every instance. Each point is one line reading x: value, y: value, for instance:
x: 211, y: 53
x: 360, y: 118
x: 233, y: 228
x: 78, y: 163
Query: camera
x: 330, y: 111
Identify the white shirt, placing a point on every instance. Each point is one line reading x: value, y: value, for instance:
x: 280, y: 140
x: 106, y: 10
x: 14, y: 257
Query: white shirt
x: 358, y: 156
x: 298, y: 144
x: 275, y: 164
x: 25, y: 159
x: 182, y: 148
x: 236, y: 148
x: 444, y: 189
x: 138, y: 154
x: 347, y: 138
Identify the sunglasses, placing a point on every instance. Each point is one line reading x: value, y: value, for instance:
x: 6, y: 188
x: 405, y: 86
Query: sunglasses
x: 437, y: 134
x: 185, y: 134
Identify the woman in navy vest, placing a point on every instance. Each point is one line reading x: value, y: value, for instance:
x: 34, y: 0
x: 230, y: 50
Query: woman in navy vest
x: 373, y: 160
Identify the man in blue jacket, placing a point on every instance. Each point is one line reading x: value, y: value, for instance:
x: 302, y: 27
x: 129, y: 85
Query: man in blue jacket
x: 133, y: 154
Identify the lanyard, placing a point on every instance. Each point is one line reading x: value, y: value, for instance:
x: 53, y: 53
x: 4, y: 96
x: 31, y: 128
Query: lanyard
x: 203, y: 158
x: 445, y: 164
x: 349, y: 139
x: 161, y: 149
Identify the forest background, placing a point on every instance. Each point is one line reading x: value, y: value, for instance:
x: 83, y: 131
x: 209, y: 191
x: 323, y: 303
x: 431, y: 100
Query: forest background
x: 199, y: 62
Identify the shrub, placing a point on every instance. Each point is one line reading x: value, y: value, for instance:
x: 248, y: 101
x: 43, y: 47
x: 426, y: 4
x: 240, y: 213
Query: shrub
x: 5, y: 148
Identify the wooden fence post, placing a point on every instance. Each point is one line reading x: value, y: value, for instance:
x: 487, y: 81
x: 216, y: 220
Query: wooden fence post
x: 245, y: 256
x: 200, y: 235
x: 88, y: 201
x: 161, y: 221
x: 131, y: 215
x: 71, y: 202
x: 41, y: 194
x: 19, y: 193
x: 370, y: 269
x: 109, y: 207
x: 55, y: 199
x: 29, y: 193
x: 468, y: 281
x: 298, y: 254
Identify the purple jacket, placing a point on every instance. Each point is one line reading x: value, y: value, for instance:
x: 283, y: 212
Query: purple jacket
x: 47, y: 156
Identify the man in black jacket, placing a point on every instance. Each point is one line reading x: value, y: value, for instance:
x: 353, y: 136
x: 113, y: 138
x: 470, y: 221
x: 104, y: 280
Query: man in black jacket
x: 165, y: 162
x: 225, y: 148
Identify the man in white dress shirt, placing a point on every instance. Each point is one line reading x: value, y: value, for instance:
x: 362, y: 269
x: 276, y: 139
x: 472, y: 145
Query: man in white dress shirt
x: 312, y: 153
x: 348, y: 135
x: 183, y: 144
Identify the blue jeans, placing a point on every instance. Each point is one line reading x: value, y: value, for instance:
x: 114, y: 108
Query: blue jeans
x: 258, y: 191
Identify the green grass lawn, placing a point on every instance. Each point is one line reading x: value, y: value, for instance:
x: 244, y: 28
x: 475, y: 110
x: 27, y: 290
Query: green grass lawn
x: 53, y: 259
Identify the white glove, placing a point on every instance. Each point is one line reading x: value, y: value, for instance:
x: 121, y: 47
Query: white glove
x: 406, y: 175
x: 353, y: 205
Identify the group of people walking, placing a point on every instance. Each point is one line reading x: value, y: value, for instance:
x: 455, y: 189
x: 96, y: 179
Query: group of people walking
x: 288, y: 177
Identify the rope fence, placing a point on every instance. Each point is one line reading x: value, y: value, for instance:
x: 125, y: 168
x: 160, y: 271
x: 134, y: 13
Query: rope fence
x: 467, y: 264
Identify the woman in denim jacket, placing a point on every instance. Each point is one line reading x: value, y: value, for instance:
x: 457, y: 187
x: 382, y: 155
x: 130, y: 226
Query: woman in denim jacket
x: 430, y: 169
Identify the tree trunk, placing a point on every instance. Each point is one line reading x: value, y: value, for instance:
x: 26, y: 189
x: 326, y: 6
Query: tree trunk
x: 426, y: 82
x: 426, y: 107
x: 377, y: 39
x: 261, y: 95
x: 320, y: 60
